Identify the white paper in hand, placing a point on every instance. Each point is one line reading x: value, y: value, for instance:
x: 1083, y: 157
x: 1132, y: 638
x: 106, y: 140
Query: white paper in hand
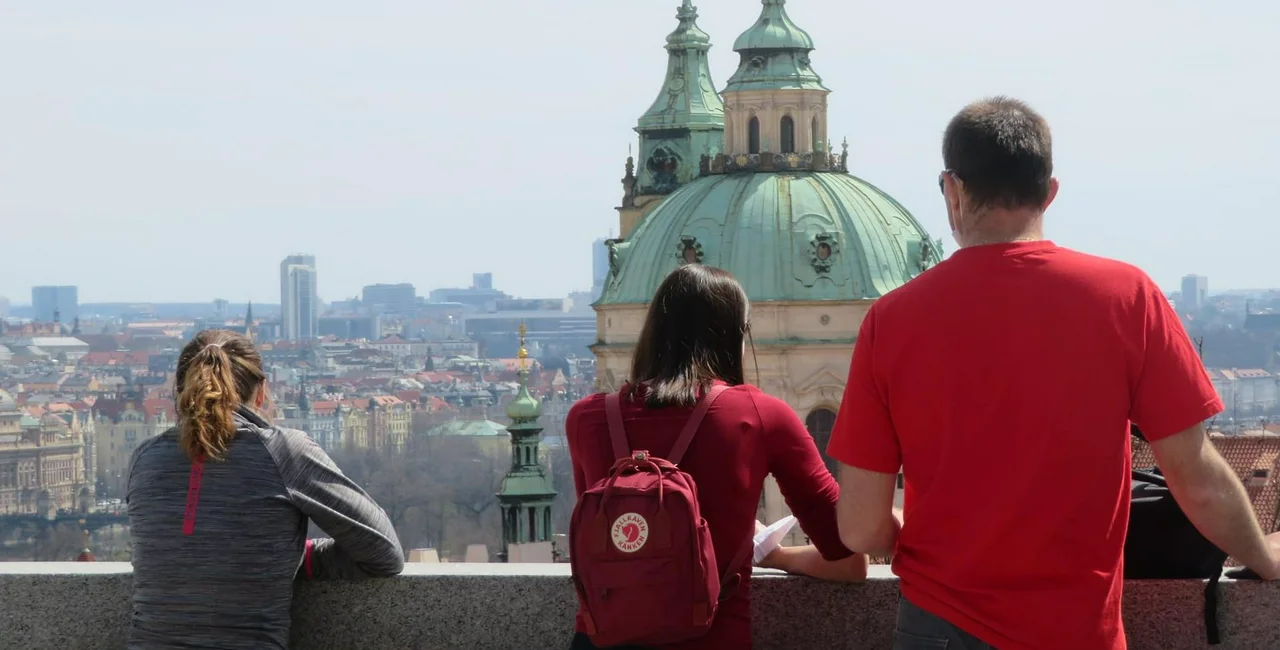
x: 771, y: 537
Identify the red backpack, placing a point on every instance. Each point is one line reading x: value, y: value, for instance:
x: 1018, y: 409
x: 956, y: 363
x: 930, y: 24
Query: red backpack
x: 641, y: 552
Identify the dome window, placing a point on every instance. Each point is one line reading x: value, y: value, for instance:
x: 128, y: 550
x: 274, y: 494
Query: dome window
x: 753, y: 135
x: 690, y: 250
x: 822, y: 250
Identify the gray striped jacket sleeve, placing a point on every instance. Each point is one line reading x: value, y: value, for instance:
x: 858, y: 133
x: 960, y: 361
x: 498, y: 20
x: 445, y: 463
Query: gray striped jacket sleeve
x: 364, y: 543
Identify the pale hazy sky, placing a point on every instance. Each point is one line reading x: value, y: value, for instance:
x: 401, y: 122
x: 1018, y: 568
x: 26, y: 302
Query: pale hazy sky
x: 163, y: 151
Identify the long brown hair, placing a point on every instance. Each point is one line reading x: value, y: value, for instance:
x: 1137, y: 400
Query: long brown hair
x: 218, y: 372
x: 693, y: 335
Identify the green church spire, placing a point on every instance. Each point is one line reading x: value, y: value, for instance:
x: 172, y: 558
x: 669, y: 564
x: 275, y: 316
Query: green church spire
x: 687, y: 118
x: 527, y: 492
x: 774, y: 54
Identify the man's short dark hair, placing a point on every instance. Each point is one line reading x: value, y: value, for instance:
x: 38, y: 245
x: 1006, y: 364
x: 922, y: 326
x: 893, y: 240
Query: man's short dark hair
x: 1002, y: 151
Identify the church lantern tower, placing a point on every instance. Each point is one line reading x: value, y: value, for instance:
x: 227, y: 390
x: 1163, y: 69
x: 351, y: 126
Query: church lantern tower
x: 775, y: 102
x: 685, y: 122
x: 526, y: 493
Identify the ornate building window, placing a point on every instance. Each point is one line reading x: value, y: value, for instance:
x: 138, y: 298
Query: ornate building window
x: 788, y: 130
x: 822, y: 249
x: 820, y: 422
x: 753, y: 135
x: 690, y: 250
x: 813, y: 134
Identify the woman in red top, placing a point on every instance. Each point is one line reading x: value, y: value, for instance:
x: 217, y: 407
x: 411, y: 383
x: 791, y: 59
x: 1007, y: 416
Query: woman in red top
x: 695, y: 335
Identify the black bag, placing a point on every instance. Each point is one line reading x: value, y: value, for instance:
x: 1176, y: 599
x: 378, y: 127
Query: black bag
x: 1162, y: 544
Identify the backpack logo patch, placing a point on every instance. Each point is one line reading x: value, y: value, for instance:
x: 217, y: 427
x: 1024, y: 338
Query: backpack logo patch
x: 630, y: 532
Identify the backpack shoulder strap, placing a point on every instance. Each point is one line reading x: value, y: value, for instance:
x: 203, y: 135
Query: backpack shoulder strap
x: 730, y: 581
x: 617, y: 434
x: 695, y: 420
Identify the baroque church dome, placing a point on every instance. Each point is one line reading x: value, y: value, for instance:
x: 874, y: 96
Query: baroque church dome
x: 787, y: 236
x: 768, y: 200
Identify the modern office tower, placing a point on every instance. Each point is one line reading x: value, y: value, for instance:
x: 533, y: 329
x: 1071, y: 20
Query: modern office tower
x: 61, y: 303
x: 299, y: 301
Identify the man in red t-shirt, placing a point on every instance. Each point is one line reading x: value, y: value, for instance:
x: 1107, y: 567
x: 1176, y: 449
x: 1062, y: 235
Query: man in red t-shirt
x: 1002, y: 383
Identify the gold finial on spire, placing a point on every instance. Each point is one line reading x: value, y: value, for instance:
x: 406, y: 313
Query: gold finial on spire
x: 524, y: 353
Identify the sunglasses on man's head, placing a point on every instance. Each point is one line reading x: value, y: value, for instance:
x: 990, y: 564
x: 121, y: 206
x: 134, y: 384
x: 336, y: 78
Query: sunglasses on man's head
x: 942, y: 179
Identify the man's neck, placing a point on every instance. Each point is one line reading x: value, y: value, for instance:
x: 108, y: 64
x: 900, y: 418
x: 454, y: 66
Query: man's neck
x: 1005, y: 227
x: 970, y: 242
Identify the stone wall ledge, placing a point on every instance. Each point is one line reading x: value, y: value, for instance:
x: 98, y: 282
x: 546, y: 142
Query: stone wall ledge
x: 82, y: 606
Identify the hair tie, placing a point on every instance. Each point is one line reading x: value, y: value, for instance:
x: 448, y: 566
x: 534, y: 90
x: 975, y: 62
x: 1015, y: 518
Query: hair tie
x: 213, y: 345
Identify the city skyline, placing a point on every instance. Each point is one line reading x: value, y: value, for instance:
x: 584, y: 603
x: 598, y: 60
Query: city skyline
x: 198, y: 131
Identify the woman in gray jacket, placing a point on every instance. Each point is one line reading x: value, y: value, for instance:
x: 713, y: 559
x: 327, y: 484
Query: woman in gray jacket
x: 218, y: 512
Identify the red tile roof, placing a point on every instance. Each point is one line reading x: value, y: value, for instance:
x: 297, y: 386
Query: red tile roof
x: 154, y: 407
x: 410, y: 396
x: 324, y: 407
x: 115, y: 359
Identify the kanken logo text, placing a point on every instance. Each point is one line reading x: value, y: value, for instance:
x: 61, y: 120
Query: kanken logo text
x: 630, y: 532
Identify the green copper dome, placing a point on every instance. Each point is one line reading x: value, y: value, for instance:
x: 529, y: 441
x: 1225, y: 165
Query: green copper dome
x: 774, y: 30
x: 524, y: 408
x: 787, y: 236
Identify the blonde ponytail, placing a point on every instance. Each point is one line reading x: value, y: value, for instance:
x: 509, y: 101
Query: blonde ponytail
x: 217, y: 373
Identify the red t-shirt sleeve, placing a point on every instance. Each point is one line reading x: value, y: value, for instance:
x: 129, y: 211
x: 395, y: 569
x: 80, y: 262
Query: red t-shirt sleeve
x: 806, y: 485
x: 864, y: 436
x: 1173, y: 391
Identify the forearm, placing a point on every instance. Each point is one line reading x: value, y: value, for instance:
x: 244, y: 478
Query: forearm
x: 1214, y: 499
x: 806, y: 560
x: 328, y: 560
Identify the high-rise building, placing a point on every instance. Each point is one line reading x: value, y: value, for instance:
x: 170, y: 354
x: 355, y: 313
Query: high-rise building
x: 482, y: 281
x: 1195, y: 291
x: 55, y: 303
x: 4, y: 308
x: 299, y: 301
x: 390, y: 298
x: 599, y: 267
x: 350, y: 328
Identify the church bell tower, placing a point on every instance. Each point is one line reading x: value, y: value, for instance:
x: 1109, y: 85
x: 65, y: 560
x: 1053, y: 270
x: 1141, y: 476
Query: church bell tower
x: 685, y: 122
